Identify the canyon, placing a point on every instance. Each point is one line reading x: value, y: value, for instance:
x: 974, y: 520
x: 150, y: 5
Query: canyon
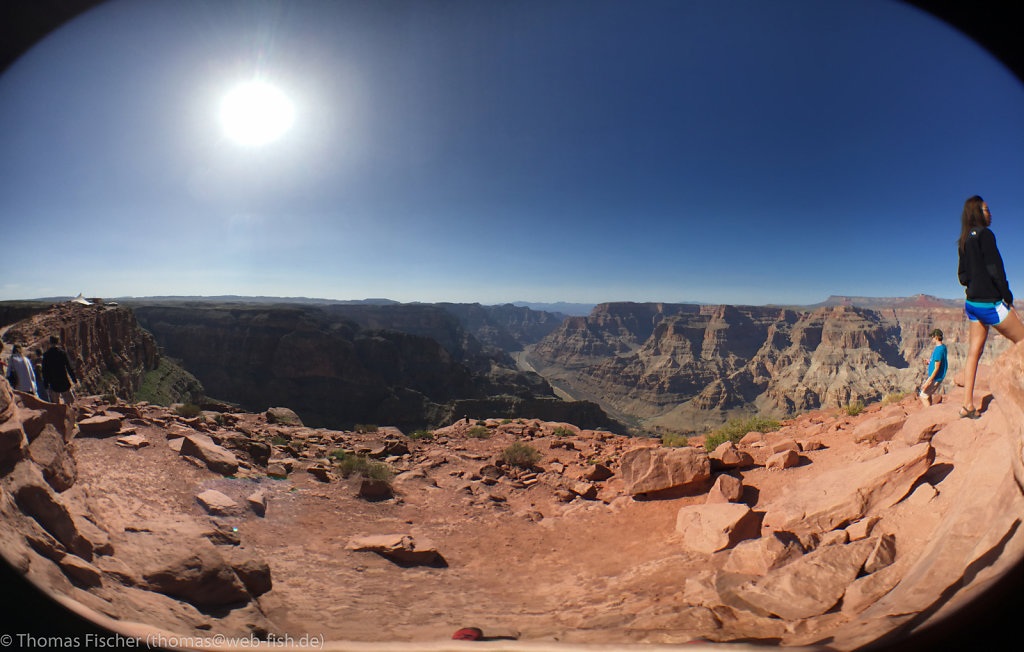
x: 685, y: 368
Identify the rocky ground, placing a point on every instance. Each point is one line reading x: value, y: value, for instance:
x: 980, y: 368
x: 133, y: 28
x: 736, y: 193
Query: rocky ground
x: 833, y: 531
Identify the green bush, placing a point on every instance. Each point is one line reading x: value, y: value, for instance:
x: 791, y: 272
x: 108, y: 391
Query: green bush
x: 505, y: 422
x: 674, y: 440
x: 521, y: 455
x: 279, y: 440
x: 853, y: 408
x: 349, y: 463
x: 735, y: 429
x: 188, y: 410
x: 478, y: 432
x: 426, y: 435
x: 562, y: 431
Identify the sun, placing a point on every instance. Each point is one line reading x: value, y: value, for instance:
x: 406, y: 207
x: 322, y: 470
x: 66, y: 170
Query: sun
x: 256, y: 113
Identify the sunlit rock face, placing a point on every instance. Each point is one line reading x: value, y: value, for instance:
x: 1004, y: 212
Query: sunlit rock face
x: 688, y: 366
x: 106, y: 347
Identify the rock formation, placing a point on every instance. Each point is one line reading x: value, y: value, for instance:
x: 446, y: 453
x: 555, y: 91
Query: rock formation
x: 685, y: 367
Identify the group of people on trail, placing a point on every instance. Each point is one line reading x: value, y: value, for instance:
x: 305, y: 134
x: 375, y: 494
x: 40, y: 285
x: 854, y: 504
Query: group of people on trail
x: 50, y: 378
x: 989, y: 302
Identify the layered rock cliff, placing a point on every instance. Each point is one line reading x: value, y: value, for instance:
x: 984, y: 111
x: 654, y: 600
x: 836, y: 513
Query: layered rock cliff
x: 108, y: 351
x: 341, y: 365
x: 685, y: 366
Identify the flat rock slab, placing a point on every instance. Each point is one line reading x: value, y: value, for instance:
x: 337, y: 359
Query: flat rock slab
x: 216, y: 503
x: 399, y: 548
x: 822, y: 504
x: 217, y: 458
x: 101, y: 426
x: 132, y: 441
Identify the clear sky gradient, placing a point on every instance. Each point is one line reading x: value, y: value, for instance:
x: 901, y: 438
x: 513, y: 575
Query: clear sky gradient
x: 577, y: 150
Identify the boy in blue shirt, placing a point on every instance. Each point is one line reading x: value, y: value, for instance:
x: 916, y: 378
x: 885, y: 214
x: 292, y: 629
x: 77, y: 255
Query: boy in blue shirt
x: 936, y: 369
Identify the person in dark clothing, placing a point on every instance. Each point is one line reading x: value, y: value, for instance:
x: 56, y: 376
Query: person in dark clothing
x: 37, y: 366
x: 58, y: 375
x: 989, y: 300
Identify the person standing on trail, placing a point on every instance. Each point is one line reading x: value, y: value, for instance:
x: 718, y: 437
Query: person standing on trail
x: 20, y: 373
x: 989, y: 300
x: 58, y: 375
x: 937, y: 365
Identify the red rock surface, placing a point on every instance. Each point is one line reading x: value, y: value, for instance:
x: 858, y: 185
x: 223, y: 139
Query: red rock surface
x: 526, y: 555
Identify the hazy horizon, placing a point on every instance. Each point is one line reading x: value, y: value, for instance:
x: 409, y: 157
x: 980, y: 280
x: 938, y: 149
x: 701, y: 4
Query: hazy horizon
x: 745, y: 152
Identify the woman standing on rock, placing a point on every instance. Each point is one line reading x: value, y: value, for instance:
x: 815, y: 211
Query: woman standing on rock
x: 989, y: 300
x: 20, y: 373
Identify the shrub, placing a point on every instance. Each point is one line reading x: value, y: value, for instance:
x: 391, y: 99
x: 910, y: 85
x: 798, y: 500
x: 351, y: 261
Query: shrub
x: 735, y: 429
x: 521, y: 455
x: 853, y: 408
x: 188, y: 410
x: 479, y: 432
x: 481, y: 422
x: 674, y: 440
x: 895, y: 397
x: 562, y: 431
x: 365, y: 427
x: 279, y: 440
x: 421, y: 434
x: 349, y: 463
x: 505, y: 422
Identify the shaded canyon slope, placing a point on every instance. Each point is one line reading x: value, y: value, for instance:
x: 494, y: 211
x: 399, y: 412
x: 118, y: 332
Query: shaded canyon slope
x: 686, y: 367
x: 409, y: 365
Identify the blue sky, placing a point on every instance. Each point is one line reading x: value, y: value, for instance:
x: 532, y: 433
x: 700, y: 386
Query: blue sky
x: 586, y: 150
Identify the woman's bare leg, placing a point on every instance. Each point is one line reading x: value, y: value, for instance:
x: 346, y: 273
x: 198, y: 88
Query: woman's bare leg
x: 1011, y: 328
x: 978, y: 332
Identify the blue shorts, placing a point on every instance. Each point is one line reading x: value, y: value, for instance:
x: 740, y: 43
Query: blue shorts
x: 989, y: 314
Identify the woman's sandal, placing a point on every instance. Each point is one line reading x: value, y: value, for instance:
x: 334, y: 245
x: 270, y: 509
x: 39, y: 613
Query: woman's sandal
x: 968, y: 414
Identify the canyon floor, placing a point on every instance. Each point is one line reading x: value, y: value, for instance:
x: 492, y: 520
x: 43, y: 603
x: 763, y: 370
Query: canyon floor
x: 544, y: 556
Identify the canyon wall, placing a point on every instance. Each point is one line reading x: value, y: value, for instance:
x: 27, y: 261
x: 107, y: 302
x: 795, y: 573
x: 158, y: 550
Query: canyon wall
x: 686, y: 367
x: 409, y: 365
x: 108, y: 351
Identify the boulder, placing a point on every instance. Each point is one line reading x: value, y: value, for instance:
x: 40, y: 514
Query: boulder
x: 584, y: 490
x: 879, y: 429
x: 99, y: 426
x: 257, y: 501
x: 49, y: 451
x: 862, y: 528
x: 597, y: 473
x: 217, y: 458
x: 252, y: 570
x: 13, y: 443
x: 758, y: 556
x: 783, y: 445
x: 809, y: 585
x: 80, y: 571
x: 882, y: 554
x: 922, y: 426
x: 784, y: 459
x: 399, y: 548
x: 375, y: 489
x: 727, y: 456
x: 727, y: 489
x: 35, y: 498
x: 218, y: 504
x: 284, y: 416
x: 186, y: 568
x: 646, y: 470
x: 712, y: 527
x: 824, y: 503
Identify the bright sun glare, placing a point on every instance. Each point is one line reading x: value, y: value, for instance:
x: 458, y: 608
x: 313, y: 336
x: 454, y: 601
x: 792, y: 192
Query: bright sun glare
x: 255, y: 113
